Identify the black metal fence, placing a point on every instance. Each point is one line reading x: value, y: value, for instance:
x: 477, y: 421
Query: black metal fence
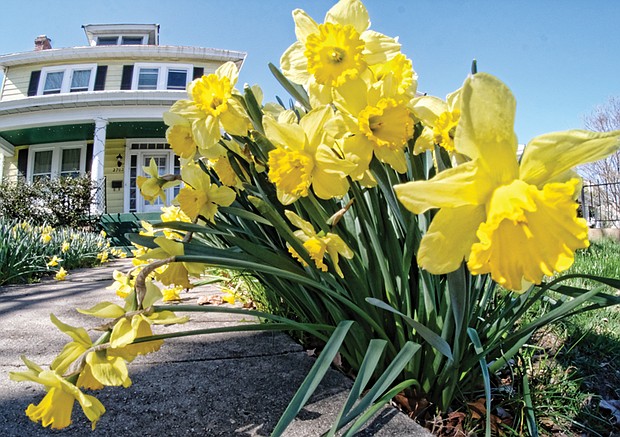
x: 600, y: 204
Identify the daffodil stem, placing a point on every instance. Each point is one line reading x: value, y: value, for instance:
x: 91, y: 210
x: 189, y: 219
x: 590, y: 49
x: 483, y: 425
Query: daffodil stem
x: 248, y: 327
x: 144, y: 273
x: 291, y: 324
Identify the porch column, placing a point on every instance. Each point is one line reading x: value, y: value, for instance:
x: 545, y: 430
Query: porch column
x: 97, y: 168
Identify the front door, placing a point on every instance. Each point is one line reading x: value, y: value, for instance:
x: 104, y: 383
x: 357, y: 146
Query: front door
x: 161, y: 160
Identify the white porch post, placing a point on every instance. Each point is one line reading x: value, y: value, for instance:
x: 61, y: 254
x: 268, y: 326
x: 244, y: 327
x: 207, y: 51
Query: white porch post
x: 97, y: 168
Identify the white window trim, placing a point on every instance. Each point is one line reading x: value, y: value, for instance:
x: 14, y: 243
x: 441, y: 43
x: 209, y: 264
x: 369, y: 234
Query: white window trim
x: 67, y: 76
x: 162, y: 75
x: 139, y: 153
x: 56, y: 149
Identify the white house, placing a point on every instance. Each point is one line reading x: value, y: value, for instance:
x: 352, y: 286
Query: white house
x: 97, y: 108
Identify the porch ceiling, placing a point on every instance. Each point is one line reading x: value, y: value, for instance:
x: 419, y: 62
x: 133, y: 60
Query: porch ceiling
x: 83, y: 132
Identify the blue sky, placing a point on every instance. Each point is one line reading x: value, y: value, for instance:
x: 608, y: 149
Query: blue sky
x: 560, y: 58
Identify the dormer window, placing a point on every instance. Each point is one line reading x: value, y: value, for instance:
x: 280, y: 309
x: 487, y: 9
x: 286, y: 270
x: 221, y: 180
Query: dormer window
x: 67, y: 79
x: 124, y: 40
x: 161, y: 77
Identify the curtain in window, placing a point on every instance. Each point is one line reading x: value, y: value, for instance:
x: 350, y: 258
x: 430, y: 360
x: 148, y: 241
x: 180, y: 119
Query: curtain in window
x: 42, y: 164
x: 53, y: 82
x: 70, y: 162
x: 80, y: 80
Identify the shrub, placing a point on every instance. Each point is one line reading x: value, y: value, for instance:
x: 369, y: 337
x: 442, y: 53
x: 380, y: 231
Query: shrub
x: 61, y: 202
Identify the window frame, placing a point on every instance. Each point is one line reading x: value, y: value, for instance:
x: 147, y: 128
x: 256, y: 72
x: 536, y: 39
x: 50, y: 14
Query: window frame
x: 56, y: 149
x: 67, y: 78
x: 162, y: 75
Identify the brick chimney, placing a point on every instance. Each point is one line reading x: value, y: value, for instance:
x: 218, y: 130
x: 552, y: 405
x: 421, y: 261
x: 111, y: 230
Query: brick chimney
x: 42, y: 42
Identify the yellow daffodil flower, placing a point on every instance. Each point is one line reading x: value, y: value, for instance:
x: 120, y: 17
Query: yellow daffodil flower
x: 172, y: 294
x: 129, y: 328
x: 327, y: 55
x: 65, y: 247
x: 54, y: 261
x: 173, y: 214
x: 123, y: 284
x: 154, y: 186
x: 103, y: 257
x: 56, y: 407
x: 517, y: 222
x: 101, y: 368
x: 176, y: 273
x: 212, y: 105
x: 199, y: 196
x: 303, y: 157
x: 440, y: 120
x: 61, y: 274
x: 379, y: 123
x: 179, y: 136
x: 229, y: 296
x: 46, y: 238
x: 318, y: 244
x: 399, y: 71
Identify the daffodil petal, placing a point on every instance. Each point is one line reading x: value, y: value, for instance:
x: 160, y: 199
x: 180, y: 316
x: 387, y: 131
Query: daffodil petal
x: 290, y: 136
x: 104, y: 310
x: 452, y: 188
x: 550, y: 155
x: 378, y: 47
x: 234, y: 120
x: 294, y: 64
x: 312, y: 124
x: 304, y: 25
x: 428, y: 108
x: 486, y: 128
x: 449, y: 239
x: 229, y: 70
x: 328, y: 186
x: 351, y: 12
x: 78, y: 334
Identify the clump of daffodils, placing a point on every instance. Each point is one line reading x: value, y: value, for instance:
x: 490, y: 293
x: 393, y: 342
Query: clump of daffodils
x: 274, y: 187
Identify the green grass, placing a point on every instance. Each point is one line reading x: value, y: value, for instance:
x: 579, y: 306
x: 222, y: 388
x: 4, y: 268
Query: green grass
x: 576, y: 362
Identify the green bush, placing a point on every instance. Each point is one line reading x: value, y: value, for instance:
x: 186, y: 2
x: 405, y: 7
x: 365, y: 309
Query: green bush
x: 26, y: 250
x: 61, y: 202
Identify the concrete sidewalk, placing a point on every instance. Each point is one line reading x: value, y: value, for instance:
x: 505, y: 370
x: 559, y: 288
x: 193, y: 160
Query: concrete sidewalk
x: 233, y: 384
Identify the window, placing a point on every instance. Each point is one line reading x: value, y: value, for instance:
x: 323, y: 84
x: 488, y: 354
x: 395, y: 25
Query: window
x: 107, y: 40
x: 161, y: 77
x: 70, y: 162
x: 122, y: 40
x: 147, y: 78
x: 66, y: 79
x: 80, y: 80
x: 177, y: 79
x: 42, y: 165
x: 50, y: 161
x: 132, y: 40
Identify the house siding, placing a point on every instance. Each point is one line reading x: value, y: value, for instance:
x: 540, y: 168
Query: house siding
x: 114, y: 198
x: 16, y: 84
x: 9, y: 171
x: 18, y: 78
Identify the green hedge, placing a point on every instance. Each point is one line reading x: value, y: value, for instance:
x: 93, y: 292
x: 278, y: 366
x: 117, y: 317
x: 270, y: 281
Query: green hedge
x: 61, y: 202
